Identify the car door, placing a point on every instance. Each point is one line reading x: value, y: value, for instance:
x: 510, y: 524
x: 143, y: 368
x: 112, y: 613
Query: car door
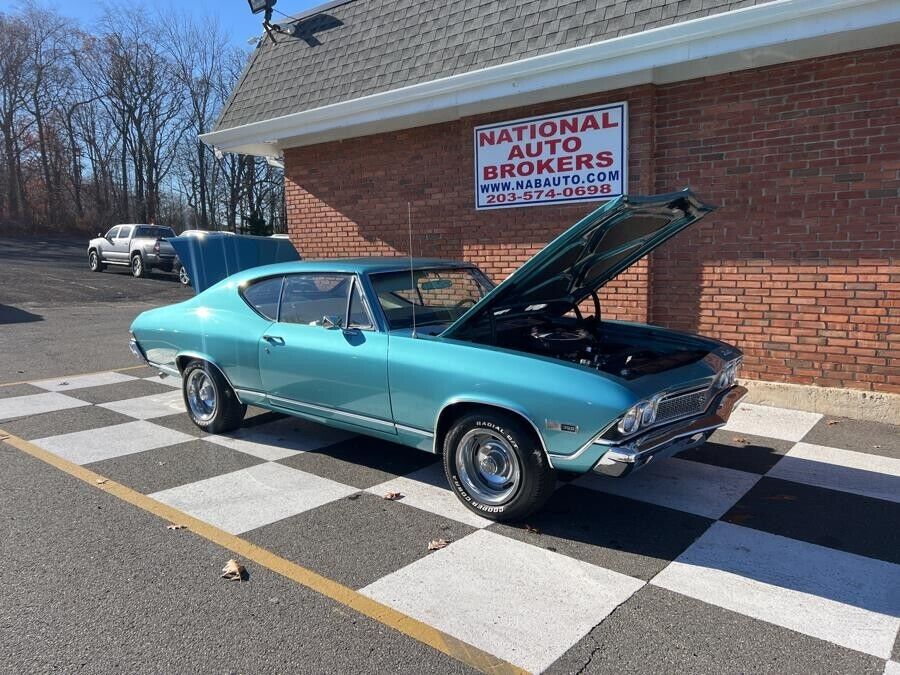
x: 121, y: 243
x: 107, y: 245
x: 324, y: 355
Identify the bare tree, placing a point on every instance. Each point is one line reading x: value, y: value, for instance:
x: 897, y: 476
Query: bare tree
x: 101, y: 125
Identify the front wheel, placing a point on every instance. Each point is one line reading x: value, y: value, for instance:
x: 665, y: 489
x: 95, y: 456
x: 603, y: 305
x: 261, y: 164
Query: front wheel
x: 94, y: 262
x: 496, y: 466
x: 210, y: 401
x: 183, y: 277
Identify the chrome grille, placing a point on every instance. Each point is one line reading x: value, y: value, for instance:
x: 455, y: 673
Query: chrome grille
x: 676, y: 406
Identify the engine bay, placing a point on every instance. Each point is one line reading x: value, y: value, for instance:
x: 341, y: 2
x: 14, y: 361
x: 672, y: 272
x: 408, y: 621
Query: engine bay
x: 588, y: 342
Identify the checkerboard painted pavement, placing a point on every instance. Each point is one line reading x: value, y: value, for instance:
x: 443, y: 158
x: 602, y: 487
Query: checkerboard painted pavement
x: 774, y: 546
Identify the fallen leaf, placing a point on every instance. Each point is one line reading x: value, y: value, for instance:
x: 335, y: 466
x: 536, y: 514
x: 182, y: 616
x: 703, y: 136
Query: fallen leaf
x: 533, y: 530
x: 393, y: 496
x: 437, y: 544
x: 740, y: 439
x: 831, y: 423
x: 355, y: 495
x: 234, y: 571
x: 877, y: 447
x: 739, y: 518
x: 63, y: 384
x: 101, y: 481
x: 173, y: 526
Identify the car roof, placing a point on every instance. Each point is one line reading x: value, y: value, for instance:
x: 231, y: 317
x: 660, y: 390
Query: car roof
x: 351, y: 266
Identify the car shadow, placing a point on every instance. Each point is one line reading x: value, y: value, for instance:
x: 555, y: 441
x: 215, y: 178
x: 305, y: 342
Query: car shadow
x: 10, y: 314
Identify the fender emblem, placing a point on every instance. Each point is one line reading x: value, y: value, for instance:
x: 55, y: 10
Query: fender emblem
x: 561, y: 426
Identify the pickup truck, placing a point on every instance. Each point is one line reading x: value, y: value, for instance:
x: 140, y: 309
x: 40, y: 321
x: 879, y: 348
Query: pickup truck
x: 143, y: 248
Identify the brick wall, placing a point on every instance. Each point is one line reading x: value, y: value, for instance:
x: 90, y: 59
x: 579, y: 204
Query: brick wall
x: 799, y: 267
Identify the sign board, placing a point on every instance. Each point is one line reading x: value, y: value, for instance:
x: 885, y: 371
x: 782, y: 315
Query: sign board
x: 575, y: 156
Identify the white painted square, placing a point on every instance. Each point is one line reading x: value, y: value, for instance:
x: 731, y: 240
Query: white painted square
x: 845, y: 470
x: 94, y: 445
x: 35, y: 404
x: 83, y: 381
x: 694, y: 487
x: 764, y: 420
x: 280, y: 439
x: 148, y: 407
x: 892, y: 668
x: 844, y: 598
x: 253, y: 497
x: 427, y: 489
x: 522, y: 603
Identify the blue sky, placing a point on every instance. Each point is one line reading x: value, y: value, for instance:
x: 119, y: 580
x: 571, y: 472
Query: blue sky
x: 234, y: 15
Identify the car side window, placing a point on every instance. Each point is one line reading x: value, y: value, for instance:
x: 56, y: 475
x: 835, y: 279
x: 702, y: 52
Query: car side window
x: 307, y: 298
x: 263, y: 296
x: 124, y: 232
x: 359, y: 317
x: 113, y: 232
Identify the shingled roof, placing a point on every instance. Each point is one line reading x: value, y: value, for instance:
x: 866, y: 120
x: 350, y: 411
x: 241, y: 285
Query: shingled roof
x: 363, y: 47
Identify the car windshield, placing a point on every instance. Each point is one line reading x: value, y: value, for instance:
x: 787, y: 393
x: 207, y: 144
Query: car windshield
x: 439, y: 295
x: 153, y: 231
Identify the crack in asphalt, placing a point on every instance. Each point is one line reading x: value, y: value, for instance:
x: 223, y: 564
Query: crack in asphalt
x: 596, y: 649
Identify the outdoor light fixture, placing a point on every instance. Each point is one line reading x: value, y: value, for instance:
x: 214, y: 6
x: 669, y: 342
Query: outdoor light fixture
x: 257, y: 6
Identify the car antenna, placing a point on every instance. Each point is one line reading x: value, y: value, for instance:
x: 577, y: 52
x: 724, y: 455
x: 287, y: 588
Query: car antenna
x: 412, y: 277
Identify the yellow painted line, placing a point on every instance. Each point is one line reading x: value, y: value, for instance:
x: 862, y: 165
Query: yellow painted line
x: 63, y: 377
x: 459, y: 650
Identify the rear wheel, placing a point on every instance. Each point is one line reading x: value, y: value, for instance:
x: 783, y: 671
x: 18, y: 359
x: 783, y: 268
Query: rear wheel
x: 94, y: 261
x: 210, y: 401
x: 138, y: 269
x: 496, y: 466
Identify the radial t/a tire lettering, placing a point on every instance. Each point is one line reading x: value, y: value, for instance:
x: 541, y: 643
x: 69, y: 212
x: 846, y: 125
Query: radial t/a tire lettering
x: 496, y: 466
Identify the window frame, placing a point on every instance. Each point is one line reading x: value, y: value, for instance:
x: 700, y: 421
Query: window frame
x: 355, y: 282
x: 477, y: 272
x: 253, y: 307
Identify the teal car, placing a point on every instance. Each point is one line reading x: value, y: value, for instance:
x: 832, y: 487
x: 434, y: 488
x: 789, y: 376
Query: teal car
x: 509, y: 383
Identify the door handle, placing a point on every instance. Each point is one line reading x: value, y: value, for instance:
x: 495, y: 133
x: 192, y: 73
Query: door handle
x: 273, y: 339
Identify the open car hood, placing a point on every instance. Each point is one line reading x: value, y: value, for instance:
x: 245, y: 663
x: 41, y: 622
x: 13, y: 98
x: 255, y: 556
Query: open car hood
x: 209, y: 257
x: 586, y: 256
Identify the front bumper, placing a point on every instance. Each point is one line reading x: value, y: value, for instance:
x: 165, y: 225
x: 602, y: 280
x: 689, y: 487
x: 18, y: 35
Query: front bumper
x: 137, y: 351
x: 620, y: 460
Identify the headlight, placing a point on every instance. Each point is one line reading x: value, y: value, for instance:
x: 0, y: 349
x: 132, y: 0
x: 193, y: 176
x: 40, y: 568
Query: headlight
x: 630, y: 420
x: 727, y: 377
x: 639, y: 415
x: 648, y: 413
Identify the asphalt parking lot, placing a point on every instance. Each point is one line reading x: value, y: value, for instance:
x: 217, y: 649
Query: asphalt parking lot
x: 773, y: 548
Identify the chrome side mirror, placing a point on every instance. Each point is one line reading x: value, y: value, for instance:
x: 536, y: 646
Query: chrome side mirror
x: 331, y: 322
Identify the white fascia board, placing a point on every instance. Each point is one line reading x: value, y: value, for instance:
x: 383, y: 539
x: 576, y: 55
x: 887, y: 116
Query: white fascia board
x: 745, y: 38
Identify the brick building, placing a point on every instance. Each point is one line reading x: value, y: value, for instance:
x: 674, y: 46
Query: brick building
x: 784, y: 113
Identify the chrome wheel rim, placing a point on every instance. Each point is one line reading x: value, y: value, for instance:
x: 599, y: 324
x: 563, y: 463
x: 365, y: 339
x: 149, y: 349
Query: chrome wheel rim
x: 201, y: 395
x: 93, y: 260
x: 136, y: 266
x: 487, y: 466
x: 183, y: 276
